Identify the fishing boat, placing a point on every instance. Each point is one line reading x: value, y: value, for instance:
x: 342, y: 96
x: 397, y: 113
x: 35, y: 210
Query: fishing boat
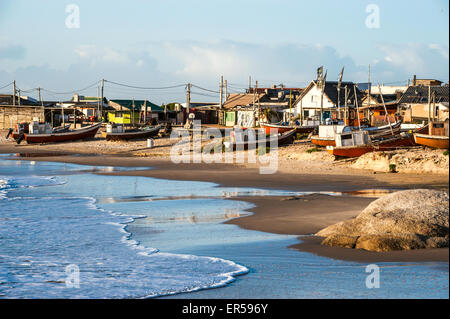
x: 244, y: 143
x: 23, y: 128
x: 437, y: 137
x: 327, y: 133
x: 73, y: 135
x: 132, y: 134
x: 357, y: 143
x: 396, y: 141
x: 277, y: 127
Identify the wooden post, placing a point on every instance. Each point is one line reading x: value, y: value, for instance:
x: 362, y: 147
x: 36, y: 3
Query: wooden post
x: 101, y: 102
x: 301, y: 112
x: 429, y: 105
x: 385, y: 109
x: 39, y: 92
x: 145, y: 111
x: 19, y: 97
x: 132, y: 114
x: 188, y: 98
x: 290, y: 105
x: 249, y: 83
x: 74, y: 119
x: 434, y: 107
x: 62, y: 111
x: 346, y: 120
x: 357, y: 107
x: 221, y: 91
x: 14, y: 93
x: 226, y: 90
x: 51, y: 114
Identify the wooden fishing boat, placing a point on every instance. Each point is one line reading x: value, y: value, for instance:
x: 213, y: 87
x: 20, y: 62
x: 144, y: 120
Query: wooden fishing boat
x: 277, y: 128
x: 73, y: 135
x: 401, y: 140
x: 374, y: 132
x: 433, y: 141
x: 133, y: 134
x: 24, y: 128
x: 436, y: 137
x: 280, y: 139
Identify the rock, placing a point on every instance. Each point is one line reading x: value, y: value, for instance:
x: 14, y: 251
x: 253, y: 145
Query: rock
x: 404, y: 220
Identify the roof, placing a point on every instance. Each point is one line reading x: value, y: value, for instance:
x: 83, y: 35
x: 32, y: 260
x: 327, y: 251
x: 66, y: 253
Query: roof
x: 241, y: 99
x: 331, y: 91
x: 138, y: 105
x: 419, y: 94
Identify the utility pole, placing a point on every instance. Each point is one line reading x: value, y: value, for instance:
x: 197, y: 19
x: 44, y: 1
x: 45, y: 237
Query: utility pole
x: 249, y: 83
x: 369, y: 90
x: 39, y: 93
x: 226, y: 90
x: 14, y: 93
x: 221, y: 91
x: 188, y: 99
x: 98, y: 101
x: 101, y: 105
x: 19, y: 97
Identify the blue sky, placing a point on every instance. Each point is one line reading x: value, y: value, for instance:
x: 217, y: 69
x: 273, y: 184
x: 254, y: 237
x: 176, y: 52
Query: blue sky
x: 162, y: 43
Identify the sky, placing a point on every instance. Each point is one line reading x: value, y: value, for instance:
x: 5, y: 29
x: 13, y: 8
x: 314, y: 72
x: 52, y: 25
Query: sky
x: 165, y: 43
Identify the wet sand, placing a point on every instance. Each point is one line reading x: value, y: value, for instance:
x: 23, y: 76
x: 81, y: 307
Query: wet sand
x: 305, y: 215
x: 300, y: 216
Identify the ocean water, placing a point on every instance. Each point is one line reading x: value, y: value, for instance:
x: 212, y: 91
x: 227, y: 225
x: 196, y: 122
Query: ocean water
x: 68, y: 233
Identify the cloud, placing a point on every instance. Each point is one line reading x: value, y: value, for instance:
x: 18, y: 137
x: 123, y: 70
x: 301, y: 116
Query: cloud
x: 177, y: 62
x: 12, y: 52
x: 425, y: 60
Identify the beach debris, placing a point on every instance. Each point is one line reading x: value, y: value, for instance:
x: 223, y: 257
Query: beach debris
x: 404, y: 220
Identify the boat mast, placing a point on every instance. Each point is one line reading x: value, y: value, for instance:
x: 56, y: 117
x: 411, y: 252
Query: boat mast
x: 290, y: 106
x: 385, y: 109
x: 357, y: 107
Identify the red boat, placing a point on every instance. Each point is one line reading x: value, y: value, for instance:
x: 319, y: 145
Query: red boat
x: 374, y: 132
x: 276, y: 128
x: 74, y: 135
x: 382, y: 145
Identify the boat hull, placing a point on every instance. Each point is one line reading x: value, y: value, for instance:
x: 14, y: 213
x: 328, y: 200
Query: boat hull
x: 323, y: 141
x: 273, y: 128
x: 283, y: 139
x: 80, y: 134
x: 386, y: 145
x: 432, y: 141
x: 126, y: 136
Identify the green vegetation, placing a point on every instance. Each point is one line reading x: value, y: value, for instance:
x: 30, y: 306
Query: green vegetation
x: 445, y: 153
x: 314, y: 149
x: 392, y: 168
x: 262, y: 150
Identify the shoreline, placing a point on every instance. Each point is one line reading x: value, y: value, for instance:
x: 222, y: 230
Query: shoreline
x: 300, y: 216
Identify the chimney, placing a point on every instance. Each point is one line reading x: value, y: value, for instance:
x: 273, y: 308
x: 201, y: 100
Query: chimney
x: 414, y: 80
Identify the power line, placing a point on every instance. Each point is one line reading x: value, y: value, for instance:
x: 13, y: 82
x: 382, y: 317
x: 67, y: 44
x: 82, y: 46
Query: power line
x: 146, y: 88
x: 201, y: 88
x: 6, y: 85
x: 71, y: 92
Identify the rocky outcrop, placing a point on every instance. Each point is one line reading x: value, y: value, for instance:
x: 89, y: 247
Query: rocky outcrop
x: 404, y: 220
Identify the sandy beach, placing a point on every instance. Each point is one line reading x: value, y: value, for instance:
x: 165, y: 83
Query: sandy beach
x: 301, y: 215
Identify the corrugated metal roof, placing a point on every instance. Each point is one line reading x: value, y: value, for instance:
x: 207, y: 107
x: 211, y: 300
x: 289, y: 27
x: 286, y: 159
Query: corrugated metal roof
x: 419, y: 94
x: 138, y: 105
x: 241, y: 99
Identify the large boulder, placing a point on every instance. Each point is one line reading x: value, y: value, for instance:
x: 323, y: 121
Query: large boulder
x: 404, y: 220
